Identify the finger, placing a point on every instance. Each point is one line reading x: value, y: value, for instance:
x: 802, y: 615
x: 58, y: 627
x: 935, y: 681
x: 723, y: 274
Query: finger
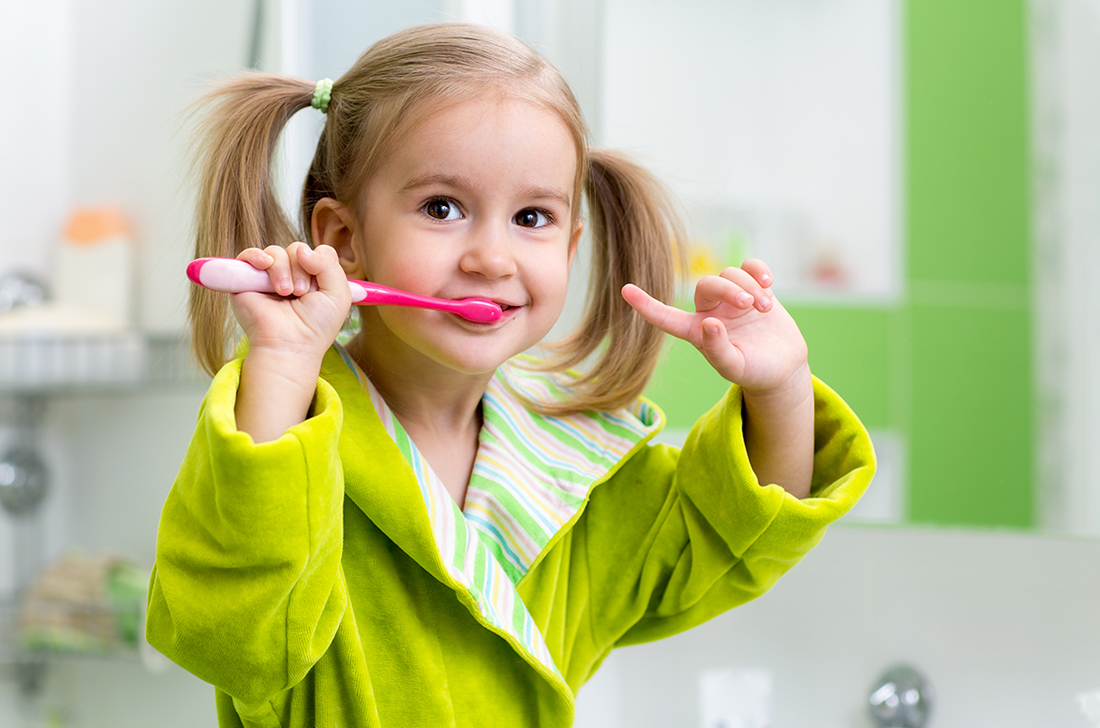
x: 759, y: 270
x: 671, y: 320
x: 302, y: 279
x: 762, y: 301
x: 713, y: 290
x: 726, y: 358
x: 323, y: 264
x: 256, y: 257
x: 279, y: 270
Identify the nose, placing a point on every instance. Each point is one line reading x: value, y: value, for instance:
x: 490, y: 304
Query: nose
x: 488, y: 254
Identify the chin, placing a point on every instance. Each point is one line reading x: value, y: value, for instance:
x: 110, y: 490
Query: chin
x: 476, y: 359
x: 481, y: 353
x: 479, y: 363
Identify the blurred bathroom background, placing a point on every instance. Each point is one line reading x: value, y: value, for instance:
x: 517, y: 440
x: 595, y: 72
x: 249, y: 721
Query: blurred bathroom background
x: 922, y: 175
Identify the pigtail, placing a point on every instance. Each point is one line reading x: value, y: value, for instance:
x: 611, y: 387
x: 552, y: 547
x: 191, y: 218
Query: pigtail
x: 633, y: 227
x: 236, y: 206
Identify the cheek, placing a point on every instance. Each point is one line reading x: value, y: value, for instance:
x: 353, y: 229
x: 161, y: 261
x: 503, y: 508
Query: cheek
x: 553, y: 281
x: 413, y: 278
x: 404, y: 269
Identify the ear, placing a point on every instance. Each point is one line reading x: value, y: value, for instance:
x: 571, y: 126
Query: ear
x: 333, y: 224
x: 574, y: 240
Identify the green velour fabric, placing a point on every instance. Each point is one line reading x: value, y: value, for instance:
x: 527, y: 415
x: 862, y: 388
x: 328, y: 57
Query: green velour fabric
x: 300, y: 577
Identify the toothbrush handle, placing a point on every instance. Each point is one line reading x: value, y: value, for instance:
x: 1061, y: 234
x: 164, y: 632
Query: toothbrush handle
x: 230, y: 275
x: 366, y: 293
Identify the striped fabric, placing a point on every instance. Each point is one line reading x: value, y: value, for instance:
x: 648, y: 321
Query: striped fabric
x: 532, y: 471
x: 531, y: 476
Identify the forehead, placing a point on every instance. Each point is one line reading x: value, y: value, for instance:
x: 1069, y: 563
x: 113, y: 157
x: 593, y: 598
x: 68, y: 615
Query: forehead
x: 493, y: 138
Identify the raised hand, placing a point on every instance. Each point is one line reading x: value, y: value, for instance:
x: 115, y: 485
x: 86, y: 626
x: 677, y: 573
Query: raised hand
x: 738, y: 325
x: 288, y: 334
x: 310, y: 304
x: 751, y: 340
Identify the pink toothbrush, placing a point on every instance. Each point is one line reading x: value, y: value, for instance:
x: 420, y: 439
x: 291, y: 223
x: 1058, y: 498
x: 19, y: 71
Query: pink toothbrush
x: 230, y: 275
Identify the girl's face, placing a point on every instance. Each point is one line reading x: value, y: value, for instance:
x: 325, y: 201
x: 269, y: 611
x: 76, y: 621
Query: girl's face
x: 476, y: 200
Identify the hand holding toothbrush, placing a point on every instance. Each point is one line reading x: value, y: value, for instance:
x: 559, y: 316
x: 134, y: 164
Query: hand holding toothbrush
x: 290, y: 331
x: 311, y: 298
x: 282, y: 273
x: 288, y: 334
x: 231, y: 275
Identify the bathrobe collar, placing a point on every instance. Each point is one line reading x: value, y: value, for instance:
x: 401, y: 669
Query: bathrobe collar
x: 531, y: 478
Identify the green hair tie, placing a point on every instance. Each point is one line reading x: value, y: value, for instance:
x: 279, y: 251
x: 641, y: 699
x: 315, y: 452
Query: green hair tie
x: 322, y: 94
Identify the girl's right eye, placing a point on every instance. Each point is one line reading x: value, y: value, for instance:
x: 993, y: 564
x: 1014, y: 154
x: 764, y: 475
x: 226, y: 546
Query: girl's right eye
x: 442, y: 209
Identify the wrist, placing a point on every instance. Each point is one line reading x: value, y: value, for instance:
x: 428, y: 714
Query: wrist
x: 787, y: 395
x: 276, y: 390
x: 297, y: 368
x: 779, y: 433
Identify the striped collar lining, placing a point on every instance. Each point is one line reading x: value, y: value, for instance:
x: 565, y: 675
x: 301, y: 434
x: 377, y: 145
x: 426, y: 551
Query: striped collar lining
x: 533, y: 471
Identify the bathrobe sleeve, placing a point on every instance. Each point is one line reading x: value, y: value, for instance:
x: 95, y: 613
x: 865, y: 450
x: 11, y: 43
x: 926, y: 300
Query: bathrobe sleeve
x: 247, y: 591
x: 677, y: 537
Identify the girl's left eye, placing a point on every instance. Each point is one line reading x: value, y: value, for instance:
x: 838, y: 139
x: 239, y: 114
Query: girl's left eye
x: 532, y: 218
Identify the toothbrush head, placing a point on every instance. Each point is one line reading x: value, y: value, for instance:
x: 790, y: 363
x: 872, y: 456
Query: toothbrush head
x: 478, y: 310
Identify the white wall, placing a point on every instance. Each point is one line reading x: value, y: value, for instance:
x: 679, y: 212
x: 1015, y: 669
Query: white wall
x: 94, y: 92
x: 1003, y: 625
x: 1065, y: 66
x: 36, y: 83
x: 137, y: 67
x: 779, y: 126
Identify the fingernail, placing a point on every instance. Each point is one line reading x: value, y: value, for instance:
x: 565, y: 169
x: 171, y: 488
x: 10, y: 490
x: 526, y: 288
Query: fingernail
x: 764, y: 302
x: 744, y: 299
x: 300, y: 287
x: 711, y: 329
x: 285, y: 286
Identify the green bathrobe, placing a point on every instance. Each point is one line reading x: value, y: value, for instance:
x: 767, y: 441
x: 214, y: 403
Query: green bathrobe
x: 322, y: 579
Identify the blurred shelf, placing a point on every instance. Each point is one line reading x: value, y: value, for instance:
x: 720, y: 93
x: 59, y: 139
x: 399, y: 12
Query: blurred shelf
x: 33, y: 633
x: 60, y: 364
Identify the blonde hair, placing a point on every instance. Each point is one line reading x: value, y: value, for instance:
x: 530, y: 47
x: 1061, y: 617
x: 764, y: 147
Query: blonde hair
x: 396, y: 82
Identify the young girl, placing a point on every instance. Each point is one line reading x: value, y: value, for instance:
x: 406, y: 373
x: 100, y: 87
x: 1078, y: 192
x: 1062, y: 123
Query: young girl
x: 420, y: 528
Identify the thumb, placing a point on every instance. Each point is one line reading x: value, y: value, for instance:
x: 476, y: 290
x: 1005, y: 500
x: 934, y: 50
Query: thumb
x: 716, y: 347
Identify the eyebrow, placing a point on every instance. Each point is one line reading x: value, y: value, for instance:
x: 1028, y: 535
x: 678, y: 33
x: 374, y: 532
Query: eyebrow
x: 446, y: 180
